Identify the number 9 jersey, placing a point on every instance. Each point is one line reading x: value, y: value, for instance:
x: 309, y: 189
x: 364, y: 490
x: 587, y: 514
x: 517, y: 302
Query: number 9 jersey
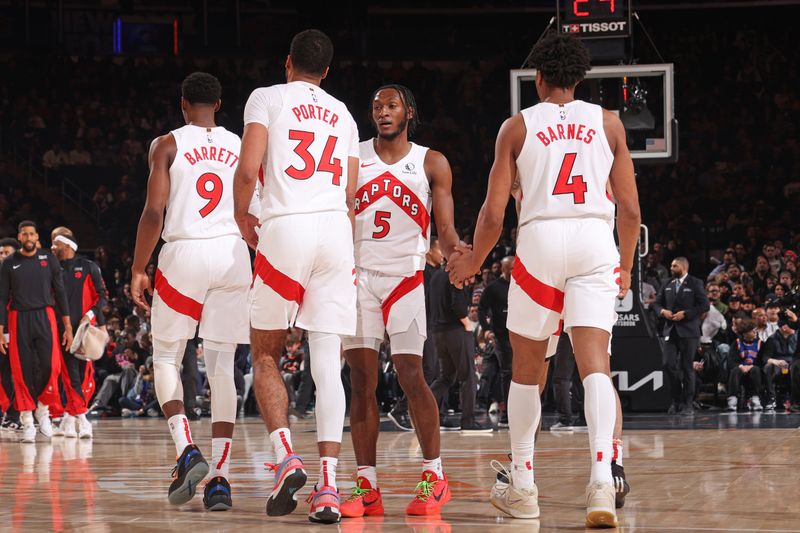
x: 311, y: 136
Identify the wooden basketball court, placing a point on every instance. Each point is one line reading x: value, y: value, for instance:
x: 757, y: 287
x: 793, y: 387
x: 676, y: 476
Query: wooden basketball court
x: 682, y: 480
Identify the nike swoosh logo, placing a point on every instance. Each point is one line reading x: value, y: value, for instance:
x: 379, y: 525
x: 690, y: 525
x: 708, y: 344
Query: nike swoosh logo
x: 438, y: 497
x: 367, y: 504
x: 15, y: 267
x: 365, y: 166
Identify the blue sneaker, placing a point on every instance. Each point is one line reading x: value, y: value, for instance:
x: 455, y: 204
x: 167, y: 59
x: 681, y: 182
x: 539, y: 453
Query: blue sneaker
x: 217, y: 495
x: 289, y: 478
x: 189, y: 471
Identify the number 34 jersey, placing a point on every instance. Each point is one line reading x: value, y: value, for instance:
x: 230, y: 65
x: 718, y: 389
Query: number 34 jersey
x: 392, y: 205
x: 564, y: 164
x: 311, y: 134
x: 200, y: 204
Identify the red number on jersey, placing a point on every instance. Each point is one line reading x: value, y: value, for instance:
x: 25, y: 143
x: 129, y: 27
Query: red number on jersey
x: 213, y: 195
x: 566, y: 184
x: 382, y: 222
x: 327, y: 164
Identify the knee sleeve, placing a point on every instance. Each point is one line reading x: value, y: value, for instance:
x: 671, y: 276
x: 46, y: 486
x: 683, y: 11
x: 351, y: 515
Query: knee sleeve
x: 326, y: 370
x: 166, y: 373
x: 219, y: 370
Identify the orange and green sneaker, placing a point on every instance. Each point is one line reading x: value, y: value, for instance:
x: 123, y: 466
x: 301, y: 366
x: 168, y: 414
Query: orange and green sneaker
x: 431, y: 494
x: 363, y: 501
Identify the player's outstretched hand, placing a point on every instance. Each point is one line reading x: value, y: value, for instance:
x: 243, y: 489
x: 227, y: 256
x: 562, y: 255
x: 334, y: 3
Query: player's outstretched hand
x: 140, y: 282
x: 461, y: 266
x: 624, y: 284
x: 247, y: 225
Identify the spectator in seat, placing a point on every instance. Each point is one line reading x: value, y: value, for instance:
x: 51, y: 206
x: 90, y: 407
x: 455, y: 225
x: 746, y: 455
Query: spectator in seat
x: 773, y: 257
x: 713, y: 292
x: 141, y: 398
x: 760, y: 318
x: 291, y: 365
x: 782, y: 361
x: 728, y: 259
x: 760, y: 275
x: 773, y: 311
x: 745, y: 372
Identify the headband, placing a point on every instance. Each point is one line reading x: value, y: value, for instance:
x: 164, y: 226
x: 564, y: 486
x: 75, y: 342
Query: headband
x: 66, y: 240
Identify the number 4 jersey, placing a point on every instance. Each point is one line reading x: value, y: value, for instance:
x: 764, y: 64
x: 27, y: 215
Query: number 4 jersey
x: 564, y: 164
x: 311, y: 136
x: 200, y: 204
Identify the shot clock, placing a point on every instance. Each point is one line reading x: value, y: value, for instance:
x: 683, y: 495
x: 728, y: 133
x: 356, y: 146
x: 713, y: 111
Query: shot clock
x: 594, y: 18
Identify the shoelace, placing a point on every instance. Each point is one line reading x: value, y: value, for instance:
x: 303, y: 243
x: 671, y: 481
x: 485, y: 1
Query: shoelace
x: 358, y: 492
x: 272, y: 467
x: 424, y: 488
x: 175, y: 472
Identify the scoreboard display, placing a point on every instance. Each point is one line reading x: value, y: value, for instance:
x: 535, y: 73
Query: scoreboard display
x: 594, y: 18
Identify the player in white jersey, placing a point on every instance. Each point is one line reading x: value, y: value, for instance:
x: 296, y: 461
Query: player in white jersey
x: 301, y: 145
x: 564, y: 152
x: 398, y: 183
x: 202, y: 278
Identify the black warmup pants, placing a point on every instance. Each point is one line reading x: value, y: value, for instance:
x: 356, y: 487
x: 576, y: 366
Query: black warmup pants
x: 456, y: 350
x: 505, y: 357
x: 35, y: 356
x: 565, y: 374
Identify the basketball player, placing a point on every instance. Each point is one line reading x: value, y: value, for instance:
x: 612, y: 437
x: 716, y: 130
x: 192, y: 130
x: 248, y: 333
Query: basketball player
x: 397, y: 182
x: 86, y: 297
x: 301, y: 145
x: 202, y: 277
x: 10, y: 415
x: 31, y: 295
x: 564, y: 152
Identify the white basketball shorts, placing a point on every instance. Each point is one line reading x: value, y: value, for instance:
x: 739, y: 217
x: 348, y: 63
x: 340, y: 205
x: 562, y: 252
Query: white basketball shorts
x: 203, y: 281
x: 304, y: 274
x: 565, y: 269
x: 389, y: 304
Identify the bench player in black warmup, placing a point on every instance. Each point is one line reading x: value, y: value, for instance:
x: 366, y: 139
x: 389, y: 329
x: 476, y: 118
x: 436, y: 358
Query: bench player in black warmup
x: 10, y: 415
x: 31, y: 280
x: 86, y: 297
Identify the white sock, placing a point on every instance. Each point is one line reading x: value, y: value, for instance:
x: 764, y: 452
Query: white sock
x: 524, y: 411
x: 433, y: 465
x: 600, y: 408
x: 282, y: 442
x: 327, y: 472
x: 370, y: 473
x: 179, y: 428
x: 220, y: 456
x: 326, y: 370
x: 618, y: 445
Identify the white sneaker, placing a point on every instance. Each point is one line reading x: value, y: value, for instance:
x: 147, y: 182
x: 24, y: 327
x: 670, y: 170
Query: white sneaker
x: 29, y: 433
x: 755, y: 404
x: 732, y: 403
x: 42, y: 414
x: 85, y: 428
x: 58, y: 429
x: 517, y: 503
x: 600, y: 505
x: 68, y: 426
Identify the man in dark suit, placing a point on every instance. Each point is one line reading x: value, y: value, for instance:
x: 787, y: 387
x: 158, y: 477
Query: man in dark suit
x: 681, y: 302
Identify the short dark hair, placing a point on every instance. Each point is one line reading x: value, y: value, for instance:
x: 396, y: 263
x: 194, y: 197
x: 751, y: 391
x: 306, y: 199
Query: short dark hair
x: 311, y: 52
x: 27, y: 224
x: 561, y: 59
x: 747, y: 325
x: 10, y: 241
x: 408, y: 100
x: 201, y: 88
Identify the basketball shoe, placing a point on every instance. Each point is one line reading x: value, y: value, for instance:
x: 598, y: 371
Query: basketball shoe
x: 431, y: 494
x: 325, y: 505
x: 42, y: 414
x: 600, y: 505
x: 190, y: 469
x: 620, y: 484
x: 517, y: 503
x: 217, y: 495
x: 363, y: 501
x: 289, y: 478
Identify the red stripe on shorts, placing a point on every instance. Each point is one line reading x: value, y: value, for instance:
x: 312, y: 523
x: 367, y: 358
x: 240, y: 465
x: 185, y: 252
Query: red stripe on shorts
x: 541, y: 293
x: 404, y: 287
x: 286, y: 287
x: 175, y: 300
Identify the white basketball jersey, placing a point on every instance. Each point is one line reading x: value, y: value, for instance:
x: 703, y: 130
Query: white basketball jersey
x: 565, y: 162
x: 200, y: 204
x: 311, y: 135
x: 392, y: 205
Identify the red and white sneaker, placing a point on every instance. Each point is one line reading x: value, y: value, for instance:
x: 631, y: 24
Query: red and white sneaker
x: 431, y: 494
x: 289, y: 478
x: 363, y: 501
x: 324, y: 506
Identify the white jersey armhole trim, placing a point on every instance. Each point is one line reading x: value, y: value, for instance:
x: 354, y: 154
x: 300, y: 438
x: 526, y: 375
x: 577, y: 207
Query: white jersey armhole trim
x: 177, y: 150
x: 524, y: 149
x: 606, y: 145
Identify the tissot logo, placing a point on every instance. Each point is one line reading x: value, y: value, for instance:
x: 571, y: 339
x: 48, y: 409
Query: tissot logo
x: 595, y: 27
